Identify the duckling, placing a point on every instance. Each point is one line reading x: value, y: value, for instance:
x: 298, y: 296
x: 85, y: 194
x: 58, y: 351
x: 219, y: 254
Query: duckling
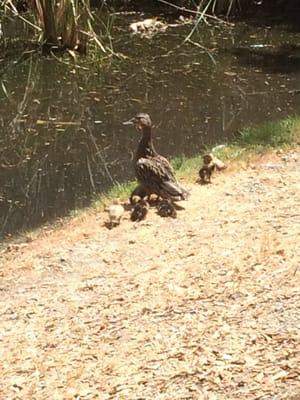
x: 115, y: 213
x: 207, y: 169
x: 139, y: 211
x: 152, y: 170
x: 166, y: 209
x: 219, y: 164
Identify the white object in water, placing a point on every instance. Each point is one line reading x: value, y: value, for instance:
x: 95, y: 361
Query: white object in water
x: 147, y: 25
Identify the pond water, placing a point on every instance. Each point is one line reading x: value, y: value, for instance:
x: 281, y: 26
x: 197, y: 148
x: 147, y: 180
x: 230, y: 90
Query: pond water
x: 62, y: 140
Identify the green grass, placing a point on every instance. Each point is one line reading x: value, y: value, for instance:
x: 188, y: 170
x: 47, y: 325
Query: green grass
x: 271, y: 134
x: 249, y: 142
x: 119, y: 191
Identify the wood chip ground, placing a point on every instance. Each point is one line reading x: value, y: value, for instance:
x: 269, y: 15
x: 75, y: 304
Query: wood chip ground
x: 204, y: 307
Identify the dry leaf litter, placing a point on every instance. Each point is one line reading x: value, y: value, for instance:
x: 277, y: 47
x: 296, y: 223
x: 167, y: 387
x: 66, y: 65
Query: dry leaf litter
x: 206, y: 306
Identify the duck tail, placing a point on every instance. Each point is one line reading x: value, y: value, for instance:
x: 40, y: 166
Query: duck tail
x: 184, y: 193
x: 175, y: 191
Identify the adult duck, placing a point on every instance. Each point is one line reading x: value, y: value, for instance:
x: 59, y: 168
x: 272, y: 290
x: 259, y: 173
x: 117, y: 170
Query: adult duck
x: 153, y: 171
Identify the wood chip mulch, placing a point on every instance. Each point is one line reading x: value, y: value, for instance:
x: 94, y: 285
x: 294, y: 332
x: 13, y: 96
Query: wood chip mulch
x: 204, y: 307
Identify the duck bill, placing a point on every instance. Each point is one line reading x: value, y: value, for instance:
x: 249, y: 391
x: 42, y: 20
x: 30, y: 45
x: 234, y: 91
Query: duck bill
x: 129, y: 122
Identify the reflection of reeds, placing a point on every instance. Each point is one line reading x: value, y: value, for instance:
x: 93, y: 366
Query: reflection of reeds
x: 203, y: 7
x: 220, y: 6
x: 207, y: 7
x: 31, y: 81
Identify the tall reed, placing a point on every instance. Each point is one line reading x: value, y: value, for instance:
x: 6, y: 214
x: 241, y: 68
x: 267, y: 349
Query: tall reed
x: 221, y: 6
x: 64, y: 22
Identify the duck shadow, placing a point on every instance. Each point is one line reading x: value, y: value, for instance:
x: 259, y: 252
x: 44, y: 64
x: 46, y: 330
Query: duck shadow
x: 203, y: 183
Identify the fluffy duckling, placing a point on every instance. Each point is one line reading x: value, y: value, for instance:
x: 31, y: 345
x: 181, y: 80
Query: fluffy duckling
x: 139, y: 211
x: 115, y: 213
x: 166, y: 209
x: 210, y: 165
x: 219, y: 164
x: 207, y: 169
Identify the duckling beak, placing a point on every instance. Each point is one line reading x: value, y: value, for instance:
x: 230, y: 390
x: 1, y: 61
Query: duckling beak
x: 129, y: 122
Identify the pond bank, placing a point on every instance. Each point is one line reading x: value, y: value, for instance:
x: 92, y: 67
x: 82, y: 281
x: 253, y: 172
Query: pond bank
x: 249, y: 143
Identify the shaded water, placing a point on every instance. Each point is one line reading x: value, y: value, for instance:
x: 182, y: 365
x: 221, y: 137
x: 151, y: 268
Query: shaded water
x: 62, y: 140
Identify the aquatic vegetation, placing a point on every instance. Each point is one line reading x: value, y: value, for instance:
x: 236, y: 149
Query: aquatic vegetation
x: 60, y: 25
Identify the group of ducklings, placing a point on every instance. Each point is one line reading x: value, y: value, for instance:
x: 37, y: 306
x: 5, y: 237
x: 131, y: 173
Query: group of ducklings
x: 165, y: 207
x: 139, y: 211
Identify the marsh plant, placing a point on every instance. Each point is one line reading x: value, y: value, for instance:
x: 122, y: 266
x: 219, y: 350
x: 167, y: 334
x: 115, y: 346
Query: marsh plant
x: 61, y: 25
x: 65, y: 23
x: 221, y: 6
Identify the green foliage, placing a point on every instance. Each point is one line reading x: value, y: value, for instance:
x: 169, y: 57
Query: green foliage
x: 178, y: 162
x: 185, y: 167
x: 121, y: 190
x: 271, y: 134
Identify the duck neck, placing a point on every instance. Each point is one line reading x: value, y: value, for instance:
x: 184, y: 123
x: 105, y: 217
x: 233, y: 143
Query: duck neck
x: 145, y: 147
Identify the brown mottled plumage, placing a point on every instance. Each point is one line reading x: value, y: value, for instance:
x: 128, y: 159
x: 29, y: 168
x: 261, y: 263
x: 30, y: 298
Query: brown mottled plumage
x: 207, y: 169
x: 210, y: 165
x: 139, y: 211
x: 166, y: 209
x: 153, y: 171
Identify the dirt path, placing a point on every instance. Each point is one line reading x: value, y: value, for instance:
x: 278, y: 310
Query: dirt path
x: 206, y: 306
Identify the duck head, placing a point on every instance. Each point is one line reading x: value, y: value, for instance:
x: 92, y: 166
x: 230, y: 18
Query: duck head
x: 141, y: 121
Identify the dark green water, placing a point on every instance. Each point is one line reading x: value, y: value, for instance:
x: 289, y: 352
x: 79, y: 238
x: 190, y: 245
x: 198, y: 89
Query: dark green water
x: 62, y: 139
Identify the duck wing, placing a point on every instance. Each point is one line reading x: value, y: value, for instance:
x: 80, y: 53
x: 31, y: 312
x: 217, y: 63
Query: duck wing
x: 167, y: 167
x: 157, y: 174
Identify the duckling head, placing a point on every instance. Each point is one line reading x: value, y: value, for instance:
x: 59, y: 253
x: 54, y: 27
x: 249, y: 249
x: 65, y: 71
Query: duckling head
x: 140, y: 121
x: 207, y: 158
